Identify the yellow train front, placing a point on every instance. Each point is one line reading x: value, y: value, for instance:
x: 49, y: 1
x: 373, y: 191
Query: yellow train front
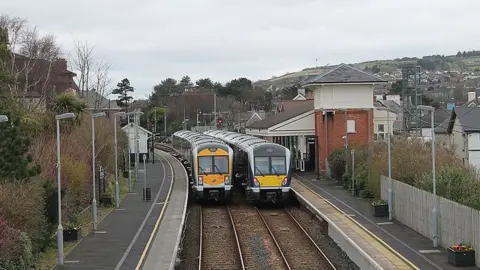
x: 262, y: 168
x: 211, y: 163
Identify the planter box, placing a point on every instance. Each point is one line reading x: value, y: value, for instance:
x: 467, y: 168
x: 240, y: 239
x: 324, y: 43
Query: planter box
x: 380, y: 210
x: 72, y: 235
x: 106, y: 200
x: 461, y: 258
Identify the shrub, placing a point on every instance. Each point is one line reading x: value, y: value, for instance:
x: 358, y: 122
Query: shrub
x: 15, y: 248
x: 336, y: 162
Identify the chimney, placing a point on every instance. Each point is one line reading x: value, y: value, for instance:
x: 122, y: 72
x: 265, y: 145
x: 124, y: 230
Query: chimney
x: 309, y: 95
x: 471, y: 96
x: 374, y: 98
x: 301, y: 91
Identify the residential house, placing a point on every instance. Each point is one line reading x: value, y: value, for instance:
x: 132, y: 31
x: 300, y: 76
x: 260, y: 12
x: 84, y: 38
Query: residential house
x: 343, y: 108
x: 98, y: 103
x: 464, y: 134
x: 381, y: 118
x: 424, y: 129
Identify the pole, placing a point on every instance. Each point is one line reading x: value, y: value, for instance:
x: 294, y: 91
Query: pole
x: 145, y: 176
x: 117, y: 189
x: 94, y: 201
x: 129, y: 165
x: 390, y: 192
x: 197, y: 121
x: 59, y: 187
x: 214, y: 106
x: 136, y: 147
x: 435, y: 213
x: 353, y: 172
x: 153, y: 137
x: 346, y: 142
x: 165, y: 123
x: 184, y: 122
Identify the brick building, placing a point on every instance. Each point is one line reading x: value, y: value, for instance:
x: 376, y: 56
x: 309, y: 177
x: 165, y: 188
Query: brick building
x: 343, y: 106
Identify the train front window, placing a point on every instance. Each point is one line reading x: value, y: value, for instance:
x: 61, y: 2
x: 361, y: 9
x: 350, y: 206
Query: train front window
x: 205, y: 165
x: 220, y: 164
x: 278, y: 165
x: 262, y: 166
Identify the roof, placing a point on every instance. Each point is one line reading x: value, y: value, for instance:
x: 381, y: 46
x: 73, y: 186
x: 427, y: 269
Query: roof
x: 344, y: 73
x: 139, y: 127
x: 468, y: 118
x: 391, y: 105
x: 94, y: 99
x: 242, y: 141
x: 439, y: 117
x: 198, y: 139
x: 286, y: 105
x: 278, y: 118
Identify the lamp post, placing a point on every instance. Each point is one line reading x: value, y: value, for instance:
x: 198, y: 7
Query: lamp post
x: 117, y: 188
x: 165, y: 122
x: 94, y: 201
x: 59, y: 185
x: 3, y: 118
x: 390, y: 190
x: 434, y: 210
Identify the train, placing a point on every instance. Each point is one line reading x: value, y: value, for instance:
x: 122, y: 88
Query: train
x: 263, y: 169
x: 211, y: 162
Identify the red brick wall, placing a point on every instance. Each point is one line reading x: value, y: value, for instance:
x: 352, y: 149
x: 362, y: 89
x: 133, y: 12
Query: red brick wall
x: 336, y: 130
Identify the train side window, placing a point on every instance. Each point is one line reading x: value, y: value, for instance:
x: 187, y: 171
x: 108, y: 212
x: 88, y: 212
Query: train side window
x: 262, y: 165
x: 278, y: 164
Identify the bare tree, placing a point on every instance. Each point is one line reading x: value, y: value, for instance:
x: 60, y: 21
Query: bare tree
x: 101, y: 81
x: 82, y: 62
x: 33, y: 59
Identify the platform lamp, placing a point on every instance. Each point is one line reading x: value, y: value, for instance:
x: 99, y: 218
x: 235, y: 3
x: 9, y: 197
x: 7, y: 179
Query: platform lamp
x: 94, y: 200
x: 117, y: 188
x: 3, y: 118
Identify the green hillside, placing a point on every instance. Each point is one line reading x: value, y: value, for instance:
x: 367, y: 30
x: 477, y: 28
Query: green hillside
x: 462, y: 61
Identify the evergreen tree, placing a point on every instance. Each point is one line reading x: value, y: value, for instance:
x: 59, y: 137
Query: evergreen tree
x: 5, y: 58
x: 15, y: 162
x: 122, y: 90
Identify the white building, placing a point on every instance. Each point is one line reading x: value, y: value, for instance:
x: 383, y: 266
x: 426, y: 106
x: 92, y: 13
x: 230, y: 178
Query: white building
x: 143, y: 140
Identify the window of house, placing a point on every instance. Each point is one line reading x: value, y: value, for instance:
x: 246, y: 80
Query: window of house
x: 381, y: 136
x: 350, y: 126
x: 381, y: 128
x: 375, y: 137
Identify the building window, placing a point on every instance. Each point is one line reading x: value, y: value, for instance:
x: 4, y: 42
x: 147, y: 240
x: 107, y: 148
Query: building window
x: 381, y: 128
x: 350, y: 126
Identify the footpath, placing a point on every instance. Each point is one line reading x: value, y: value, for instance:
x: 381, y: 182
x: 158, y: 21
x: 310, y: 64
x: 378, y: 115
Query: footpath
x: 412, y: 245
x: 121, y: 237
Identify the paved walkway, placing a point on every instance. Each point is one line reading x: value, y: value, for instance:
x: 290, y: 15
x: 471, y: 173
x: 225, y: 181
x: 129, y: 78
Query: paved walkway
x: 121, y: 237
x: 412, y: 245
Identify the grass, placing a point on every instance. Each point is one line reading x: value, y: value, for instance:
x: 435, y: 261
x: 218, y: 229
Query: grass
x: 48, y: 259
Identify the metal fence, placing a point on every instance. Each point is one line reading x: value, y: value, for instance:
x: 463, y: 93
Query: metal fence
x: 413, y: 207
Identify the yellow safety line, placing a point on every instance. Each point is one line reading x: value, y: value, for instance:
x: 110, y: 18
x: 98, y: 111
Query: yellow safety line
x: 155, y: 228
x: 363, y: 228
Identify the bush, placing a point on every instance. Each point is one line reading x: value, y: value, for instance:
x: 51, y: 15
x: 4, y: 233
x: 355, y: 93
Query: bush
x: 336, y: 162
x: 453, y: 183
x: 15, y: 248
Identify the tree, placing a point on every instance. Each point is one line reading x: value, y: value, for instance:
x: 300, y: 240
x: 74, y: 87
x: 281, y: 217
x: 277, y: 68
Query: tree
x: 205, y: 83
x: 5, y: 58
x: 186, y: 81
x: 82, y: 63
x: 68, y: 102
x: 123, y: 89
x: 290, y: 92
x: 15, y: 162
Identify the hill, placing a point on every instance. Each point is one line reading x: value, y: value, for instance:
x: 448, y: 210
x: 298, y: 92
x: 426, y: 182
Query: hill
x: 461, y: 62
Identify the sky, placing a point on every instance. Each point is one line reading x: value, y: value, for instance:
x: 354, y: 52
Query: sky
x: 147, y: 41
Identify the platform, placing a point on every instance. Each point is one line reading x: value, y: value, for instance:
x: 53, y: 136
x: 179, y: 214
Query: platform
x: 412, y: 245
x: 367, y: 251
x: 121, y: 237
x: 163, y: 247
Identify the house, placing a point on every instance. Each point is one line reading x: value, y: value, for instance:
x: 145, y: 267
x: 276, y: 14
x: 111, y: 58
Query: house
x: 464, y: 134
x: 247, y: 118
x: 343, y: 108
x: 424, y: 128
x: 39, y: 81
x: 381, y: 119
x: 293, y: 128
x: 144, y: 136
x: 98, y: 103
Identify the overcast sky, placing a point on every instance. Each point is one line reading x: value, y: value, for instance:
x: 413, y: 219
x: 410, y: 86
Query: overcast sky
x: 149, y: 40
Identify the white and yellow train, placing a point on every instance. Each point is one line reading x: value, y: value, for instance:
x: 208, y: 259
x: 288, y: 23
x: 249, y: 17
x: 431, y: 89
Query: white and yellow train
x: 263, y: 169
x: 211, y: 162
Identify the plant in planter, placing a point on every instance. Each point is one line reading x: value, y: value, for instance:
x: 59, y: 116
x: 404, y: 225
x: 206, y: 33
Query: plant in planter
x: 461, y: 255
x: 380, y: 208
x: 72, y: 230
x: 106, y: 200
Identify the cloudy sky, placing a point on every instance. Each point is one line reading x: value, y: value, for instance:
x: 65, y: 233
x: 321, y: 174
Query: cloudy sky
x: 149, y: 40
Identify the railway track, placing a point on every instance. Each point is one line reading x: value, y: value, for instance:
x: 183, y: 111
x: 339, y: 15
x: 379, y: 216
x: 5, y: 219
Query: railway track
x: 296, y: 246
x: 219, y: 245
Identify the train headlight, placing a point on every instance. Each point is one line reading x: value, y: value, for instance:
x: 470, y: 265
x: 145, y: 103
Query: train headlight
x: 255, y: 182
x: 226, y: 180
x: 200, y: 180
x: 285, y: 181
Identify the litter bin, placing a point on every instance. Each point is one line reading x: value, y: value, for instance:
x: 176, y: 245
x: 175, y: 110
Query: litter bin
x: 147, y: 194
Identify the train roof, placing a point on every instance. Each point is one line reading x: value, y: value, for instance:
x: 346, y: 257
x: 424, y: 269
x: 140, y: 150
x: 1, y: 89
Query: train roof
x: 240, y: 140
x: 198, y: 139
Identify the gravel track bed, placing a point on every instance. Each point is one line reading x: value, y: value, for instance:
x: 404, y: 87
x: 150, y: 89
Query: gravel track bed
x: 219, y: 249
x: 300, y: 252
x: 190, y: 243
x: 319, y: 233
x: 258, y: 248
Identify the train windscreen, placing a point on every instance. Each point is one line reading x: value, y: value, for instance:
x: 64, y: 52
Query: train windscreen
x: 270, y: 165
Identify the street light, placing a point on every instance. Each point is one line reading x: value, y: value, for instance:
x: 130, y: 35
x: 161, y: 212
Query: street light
x: 94, y: 201
x: 135, y: 121
x: 59, y: 184
x: 3, y: 118
x: 117, y: 189
x: 435, y: 213
x: 390, y: 191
